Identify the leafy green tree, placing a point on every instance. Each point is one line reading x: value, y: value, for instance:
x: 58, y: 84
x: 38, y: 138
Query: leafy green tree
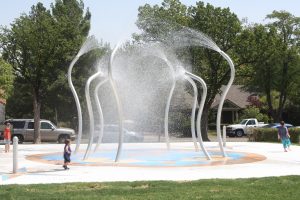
x: 220, y: 24
x: 271, y: 59
x: 72, y: 27
x: 29, y: 47
x: 261, y: 47
x: 39, y: 47
x: 288, y: 27
x: 19, y: 103
x: 157, y: 21
x: 6, y: 79
x: 254, y: 112
x: 274, y: 95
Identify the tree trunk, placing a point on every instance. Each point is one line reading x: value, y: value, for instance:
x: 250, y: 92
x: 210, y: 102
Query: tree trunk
x: 283, y: 89
x: 270, y: 104
x: 36, y: 113
x: 56, y: 118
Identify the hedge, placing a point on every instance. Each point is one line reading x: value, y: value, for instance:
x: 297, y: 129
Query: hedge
x: 271, y: 135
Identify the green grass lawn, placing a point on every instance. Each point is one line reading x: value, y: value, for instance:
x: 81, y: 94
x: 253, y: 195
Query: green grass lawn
x: 256, y: 188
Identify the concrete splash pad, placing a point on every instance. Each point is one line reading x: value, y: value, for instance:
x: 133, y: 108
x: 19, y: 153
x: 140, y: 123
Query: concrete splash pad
x: 141, y: 157
x: 42, y: 163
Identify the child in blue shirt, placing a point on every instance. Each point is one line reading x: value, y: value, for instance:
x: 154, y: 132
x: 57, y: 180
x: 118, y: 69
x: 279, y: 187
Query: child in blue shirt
x: 284, y: 136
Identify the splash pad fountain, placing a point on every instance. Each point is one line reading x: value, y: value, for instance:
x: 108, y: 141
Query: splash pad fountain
x: 137, y: 83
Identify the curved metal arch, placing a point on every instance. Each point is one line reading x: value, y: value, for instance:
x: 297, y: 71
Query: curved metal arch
x: 199, y: 115
x: 193, y: 111
x: 90, y: 112
x: 100, y: 112
x: 119, y: 106
x: 79, y: 112
x: 90, y: 44
x: 167, y: 109
x: 232, y: 74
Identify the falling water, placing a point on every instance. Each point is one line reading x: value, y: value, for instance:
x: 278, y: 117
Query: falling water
x: 135, y: 89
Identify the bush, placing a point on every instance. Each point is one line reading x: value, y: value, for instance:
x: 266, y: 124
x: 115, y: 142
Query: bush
x: 271, y: 135
x: 294, y: 133
x: 254, y: 112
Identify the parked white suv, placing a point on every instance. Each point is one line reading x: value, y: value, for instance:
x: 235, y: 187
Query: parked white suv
x: 24, y: 130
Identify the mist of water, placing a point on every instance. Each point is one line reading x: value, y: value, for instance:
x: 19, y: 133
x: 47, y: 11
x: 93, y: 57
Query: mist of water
x: 146, y: 78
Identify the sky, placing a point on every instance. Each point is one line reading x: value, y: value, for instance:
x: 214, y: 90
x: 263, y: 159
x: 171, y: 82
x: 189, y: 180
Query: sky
x: 114, y: 20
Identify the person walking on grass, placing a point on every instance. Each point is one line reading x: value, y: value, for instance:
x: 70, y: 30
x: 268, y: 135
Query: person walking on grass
x: 67, y: 154
x: 7, y: 137
x: 284, y: 136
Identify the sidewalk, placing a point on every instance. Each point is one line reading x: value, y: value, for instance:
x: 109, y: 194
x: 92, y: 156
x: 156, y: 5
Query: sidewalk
x: 277, y: 163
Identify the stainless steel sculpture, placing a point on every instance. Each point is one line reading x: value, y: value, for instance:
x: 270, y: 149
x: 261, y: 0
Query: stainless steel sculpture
x: 99, y: 109
x: 179, y: 74
x: 119, y: 106
x: 160, y: 53
x: 90, y: 44
x: 203, y: 97
x: 90, y: 112
x: 232, y: 74
x: 166, y: 124
x: 193, y: 111
x: 189, y: 38
x: 79, y: 112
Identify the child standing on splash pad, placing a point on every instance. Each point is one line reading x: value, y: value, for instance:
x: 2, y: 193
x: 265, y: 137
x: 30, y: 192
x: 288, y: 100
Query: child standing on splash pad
x: 284, y: 135
x: 7, y: 137
x: 67, y: 154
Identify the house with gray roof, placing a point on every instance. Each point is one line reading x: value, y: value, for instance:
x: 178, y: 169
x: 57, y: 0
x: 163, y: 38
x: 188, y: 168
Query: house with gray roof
x: 236, y: 100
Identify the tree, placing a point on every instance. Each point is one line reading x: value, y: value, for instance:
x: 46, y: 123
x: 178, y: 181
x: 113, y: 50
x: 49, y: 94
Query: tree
x: 29, y: 48
x: 288, y: 27
x: 157, y: 22
x: 220, y: 24
x: 19, y: 103
x: 72, y: 29
x: 270, y: 54
x: 6, y: 79
x: 261, y: 47
x: 39, y: 47
x: 254, y: 112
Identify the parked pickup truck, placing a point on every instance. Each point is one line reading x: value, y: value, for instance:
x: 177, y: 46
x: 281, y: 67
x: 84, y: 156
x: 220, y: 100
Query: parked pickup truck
x: 241, y: 128
x: 24, y: 130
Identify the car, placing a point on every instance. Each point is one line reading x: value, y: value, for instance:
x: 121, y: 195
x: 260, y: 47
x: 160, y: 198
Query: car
x: 276, y: 125
x: 24, y: 130
x: 111, y: 134
x: 243, y: 127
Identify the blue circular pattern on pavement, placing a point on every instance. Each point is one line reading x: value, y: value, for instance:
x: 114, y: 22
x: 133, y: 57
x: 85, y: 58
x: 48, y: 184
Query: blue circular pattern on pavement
x: 154, y: 158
